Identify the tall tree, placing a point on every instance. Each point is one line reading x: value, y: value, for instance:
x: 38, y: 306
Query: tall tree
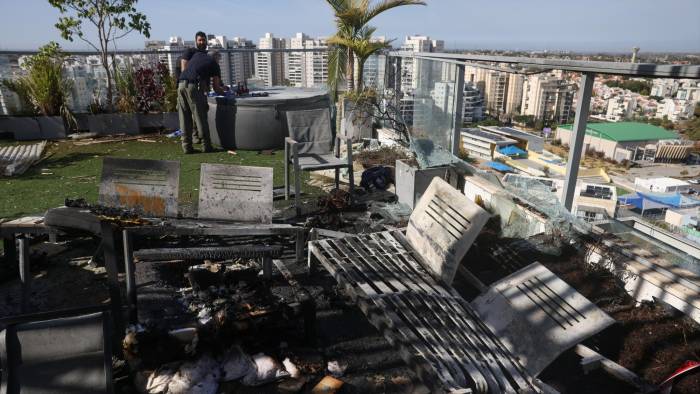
x: 362, y: 47
x: 113, y: 19
x: 351, y: 16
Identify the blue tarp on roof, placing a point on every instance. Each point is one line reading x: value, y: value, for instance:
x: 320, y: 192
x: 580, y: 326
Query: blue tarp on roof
x: 675, y: 200
x: 511, y: 150
x: 658, y: 200
x: 499, y: 166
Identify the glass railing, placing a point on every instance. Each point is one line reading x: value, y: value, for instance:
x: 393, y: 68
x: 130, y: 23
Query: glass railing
x: 303, y: 68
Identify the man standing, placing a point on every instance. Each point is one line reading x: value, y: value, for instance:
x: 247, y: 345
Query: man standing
x: 192, y: 88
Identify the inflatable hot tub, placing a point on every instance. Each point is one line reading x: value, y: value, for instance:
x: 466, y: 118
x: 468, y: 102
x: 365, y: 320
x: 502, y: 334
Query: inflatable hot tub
x: 258, y: 123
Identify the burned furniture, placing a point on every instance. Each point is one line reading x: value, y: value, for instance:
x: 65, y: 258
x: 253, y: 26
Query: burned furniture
x: 202, y: 228
x: 149, y: 186
x: 235, y: 193
x: 401, y: 283
x: 311, y: 147
x: 539, y: 316
x: 58, y: 352
x: 16, y: 235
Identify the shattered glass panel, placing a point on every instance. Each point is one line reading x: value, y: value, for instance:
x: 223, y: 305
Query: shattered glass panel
x: 427, y: 98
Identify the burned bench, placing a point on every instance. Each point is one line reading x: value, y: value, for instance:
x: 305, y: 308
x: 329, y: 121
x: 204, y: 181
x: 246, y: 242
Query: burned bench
x: 401, y: 283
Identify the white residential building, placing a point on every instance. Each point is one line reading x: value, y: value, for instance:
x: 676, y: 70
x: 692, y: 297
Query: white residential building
x: 296, y: 62
x: 661, y: 185
x: 689, y: 90
x: 269, y: 66
x: 664, y: 87
x: 410, y: 68
x: 307, y: 69
x: 547, y: 97
x: 170, y: 52
x: 621, y: 107
x: 675, y: 109
x: 241, y: 64
x: 375, y: 72
x: 443, y: 95
x: 316, y: 63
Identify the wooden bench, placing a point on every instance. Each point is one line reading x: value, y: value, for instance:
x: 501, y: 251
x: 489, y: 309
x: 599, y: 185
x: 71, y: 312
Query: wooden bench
x: 401, y: 283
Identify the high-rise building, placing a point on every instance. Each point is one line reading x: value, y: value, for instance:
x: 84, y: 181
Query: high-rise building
x: 514, y: 97
x: 548, y: 98
x: 220, y: 42
x: 235, y: 66
x: 410, y: 68
x: 242, y: 63
x: 316, y: 69
x: 170, y: 52
x: 269, y: 66
x: 374, y: 71
x: 296, y: 61
x: 473, y: 110
x: 307, y: 69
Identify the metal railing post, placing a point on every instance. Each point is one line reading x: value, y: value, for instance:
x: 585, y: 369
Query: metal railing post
x: 577, y: 136
x: 458, y: 110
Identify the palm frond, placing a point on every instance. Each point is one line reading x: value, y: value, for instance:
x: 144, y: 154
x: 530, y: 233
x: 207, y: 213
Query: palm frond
x: 372, y: 11
x: 337, y: 60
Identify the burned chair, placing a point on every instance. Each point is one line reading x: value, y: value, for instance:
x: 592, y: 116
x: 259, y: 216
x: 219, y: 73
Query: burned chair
x: 57, y: 352
x: 311, y: 147
x: 402, y: 284
x: 235, y: 203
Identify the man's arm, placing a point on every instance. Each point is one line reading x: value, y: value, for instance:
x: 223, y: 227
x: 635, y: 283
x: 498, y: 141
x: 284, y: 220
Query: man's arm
x: 216, y: 85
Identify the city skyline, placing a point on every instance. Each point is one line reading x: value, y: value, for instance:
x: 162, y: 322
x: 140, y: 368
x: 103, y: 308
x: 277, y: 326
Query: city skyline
x: 598, y: 26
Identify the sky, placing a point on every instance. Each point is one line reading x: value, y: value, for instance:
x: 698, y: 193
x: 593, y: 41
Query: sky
x: 574, y: 25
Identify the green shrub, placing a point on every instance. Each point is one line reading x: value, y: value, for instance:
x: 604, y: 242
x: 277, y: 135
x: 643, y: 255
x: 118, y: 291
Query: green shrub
x: 43, y: 87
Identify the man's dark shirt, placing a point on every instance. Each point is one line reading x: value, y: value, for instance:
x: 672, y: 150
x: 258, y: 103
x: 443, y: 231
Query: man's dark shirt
x: 185, y: 56
x: 200, y: 67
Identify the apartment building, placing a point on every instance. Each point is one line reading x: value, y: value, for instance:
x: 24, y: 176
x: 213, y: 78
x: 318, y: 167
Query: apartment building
x: 269, y: 66
x: 547, y: 97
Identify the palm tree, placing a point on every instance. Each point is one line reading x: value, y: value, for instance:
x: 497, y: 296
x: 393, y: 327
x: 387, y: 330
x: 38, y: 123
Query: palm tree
x: 362, y: 48
x: 351, y: 17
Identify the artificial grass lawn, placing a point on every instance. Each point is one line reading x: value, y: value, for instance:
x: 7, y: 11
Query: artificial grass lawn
x: 72, y: 171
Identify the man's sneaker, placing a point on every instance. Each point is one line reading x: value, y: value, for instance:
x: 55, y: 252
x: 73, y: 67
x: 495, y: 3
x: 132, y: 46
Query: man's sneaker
x: 208, y: 149
x: 189, y: 151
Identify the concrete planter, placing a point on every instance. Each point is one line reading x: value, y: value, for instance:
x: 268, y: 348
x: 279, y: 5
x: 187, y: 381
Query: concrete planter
x: 82, y: 121
x: 171, y: 121
x: 23, y: 127
x: 52, y: 127
x: 411, y: 182
x: 150, y: 121
x: 109, y: 124
x: 355, y: 124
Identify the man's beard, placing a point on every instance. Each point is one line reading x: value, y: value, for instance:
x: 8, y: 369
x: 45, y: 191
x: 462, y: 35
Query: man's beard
x: 202, y: 47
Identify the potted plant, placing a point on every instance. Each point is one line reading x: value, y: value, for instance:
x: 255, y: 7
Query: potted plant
x: 44, y: 93
x: 150, y: 96
x: 353, y: 41
x: 125, y: 120
x: 171, y: 120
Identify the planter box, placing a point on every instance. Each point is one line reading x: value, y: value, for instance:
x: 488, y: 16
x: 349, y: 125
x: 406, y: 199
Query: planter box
x: 150, y: 121
x: 411, y: 182
x: 24, y: 128
x: 355, y: 124
x: 109, y: 124
x: 82, y: 121
x: 171, y: 121
x: 52, y: 127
